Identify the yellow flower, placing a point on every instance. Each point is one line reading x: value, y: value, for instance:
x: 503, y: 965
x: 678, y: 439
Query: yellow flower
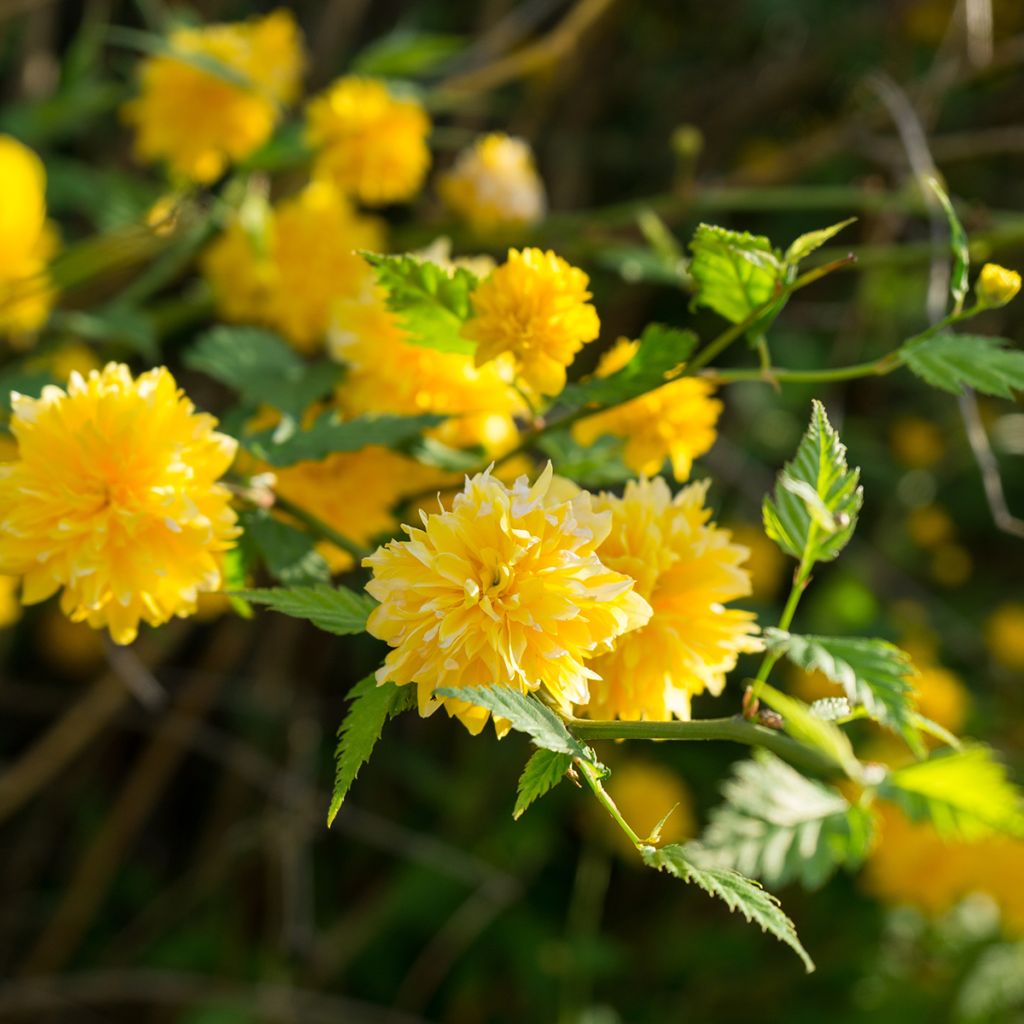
x: 765, y: 563
x: 494, y: 184
x: 198, y: 121
x: 535, y: 307
x: 10, y: 606
x: 370, y: 144
x: 1005, y: 635
x: 115, y: 498
x: 27, y: 240
x: 996, y: 286
x: 353, y: 492
x: 645, y: 792
x: 687, y: 568
x: 676, y: 421
x: 388, y: 373
x: 71, y: 357
x: 505, y: 589
x: 290, y: 275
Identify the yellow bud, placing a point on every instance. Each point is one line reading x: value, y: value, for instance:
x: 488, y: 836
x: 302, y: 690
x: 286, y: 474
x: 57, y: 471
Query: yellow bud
x: 996, y: 285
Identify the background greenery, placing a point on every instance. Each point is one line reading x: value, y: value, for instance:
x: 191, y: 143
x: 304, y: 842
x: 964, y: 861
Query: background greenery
x: 178, y: 868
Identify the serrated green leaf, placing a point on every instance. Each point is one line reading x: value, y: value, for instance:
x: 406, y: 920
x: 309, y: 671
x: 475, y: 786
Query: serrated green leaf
x: 964, y: 793
x: 432, y: 303
x: 288, y: 553
x: 525, y: 714
x: 372, y: 705
x: 406, y: 54
x: 803, y: 246
x: 960, y: 271
x: 661, y: 352
x: 779, y: 826
x: 592, y: 466
x: 737, y: 892
x: 806, y: 727
x: 286, y: 444
x: 815, y: 491
x: 336, y: 610
x: 262, y: 368
x: 955, y: 361
x: 873, y: 673
x: 543, y: 772
x: 735, y: 273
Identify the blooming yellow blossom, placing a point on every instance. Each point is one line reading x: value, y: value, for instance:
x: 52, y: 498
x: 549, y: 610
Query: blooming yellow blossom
x: 506, y: 589
x: 388, y: 373
x: 352, y: 492
x: 687, y: 568
x: 996, y: 286
x: 675, y: 422
x: 291, y: 274
x: 27, y: 240
x: 494, y: 184
x: 535, y: 307
x: 198, y: 120
x: 1005, y: 635
x: 369, y: 143
x: 115, y: 498
x: 644, y: 793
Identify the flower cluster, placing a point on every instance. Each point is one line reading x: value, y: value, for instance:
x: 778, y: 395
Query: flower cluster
x: 27, y: 240
x: 534, y: 307
x: 216, y: 95
x: 494, y: 184
x: 114, y: 498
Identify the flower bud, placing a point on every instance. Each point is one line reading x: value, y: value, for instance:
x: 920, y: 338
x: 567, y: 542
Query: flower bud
x: 996, y: 285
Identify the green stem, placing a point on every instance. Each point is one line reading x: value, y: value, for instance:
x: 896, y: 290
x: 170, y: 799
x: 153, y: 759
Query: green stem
x: 876, y: 368
x: 735, y: 729
x: 593, y: 779
x: 318, y: 527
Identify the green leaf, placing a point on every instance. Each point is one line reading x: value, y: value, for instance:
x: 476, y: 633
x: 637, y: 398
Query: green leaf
x: 122, y: 325
x: 337, y: 610
x: 158, y: 46
x: 964, y: 793
x: 524, y: 713
x: 288, y: 553
x: 806, y: 244
x: 592, y: 466
x: 662, y: 351
x: 737, y: 892
x: 262, y: 368
x: 543, y: 772
x: 780, y: 826
x: 960, y: 271
x: 372, y: 705
x: 432, y: 304
x: 235, y: 566
x: 873, y: 673
x: 803, y: 725
x: 285, y: 445
x: 735, y: 273
x: 406, y: 54
x: 817, y: 497
x: 953, y: 361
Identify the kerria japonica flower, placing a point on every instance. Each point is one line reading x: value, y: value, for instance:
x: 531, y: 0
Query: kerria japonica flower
x: 505, y: 588
x: 534, y: 307
x: 687, y: 568
x: 215, y: 96
x: 114, y: 498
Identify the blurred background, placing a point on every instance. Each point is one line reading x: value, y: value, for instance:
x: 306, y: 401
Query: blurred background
x: 163, y: 848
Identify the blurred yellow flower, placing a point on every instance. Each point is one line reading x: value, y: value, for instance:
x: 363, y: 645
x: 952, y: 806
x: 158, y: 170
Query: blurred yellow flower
x: 765, y: 562
x: 388, y: 373
x: 675, y: 422
x: 535, y: 307
x: 291, y: 274
x: 996, y: 286
x: 10, y: 606
x: 494, y: 184
x: 199, y: 118
x: 353, y: 492
x: 645, y: 792
x: 1005, y: 635
x: 912, y: 864
x: 369, y: 143
x: 917, y: 443
x: 64, y: 360
x: 687, y: 568
x: 27, y: 240
x: 115, y: 498
x: 505, y: 588
x: 930, y: 526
